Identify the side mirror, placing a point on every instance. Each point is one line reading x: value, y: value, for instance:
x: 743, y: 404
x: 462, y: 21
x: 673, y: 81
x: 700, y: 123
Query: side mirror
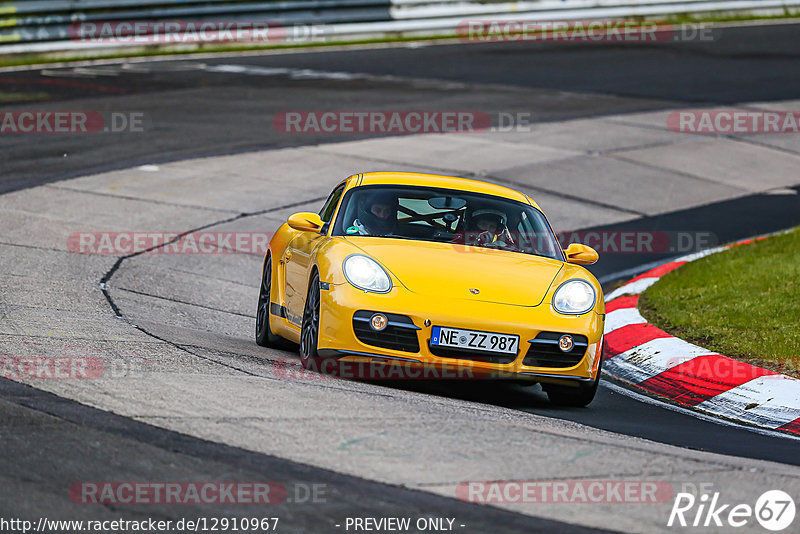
x: 581, y: 254
x: 305, y: 221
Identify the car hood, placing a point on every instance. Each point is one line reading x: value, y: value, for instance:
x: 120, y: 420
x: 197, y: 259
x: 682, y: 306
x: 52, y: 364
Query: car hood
x: 452, y: 271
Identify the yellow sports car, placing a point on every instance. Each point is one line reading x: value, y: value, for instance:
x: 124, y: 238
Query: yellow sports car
x: 441, y: 277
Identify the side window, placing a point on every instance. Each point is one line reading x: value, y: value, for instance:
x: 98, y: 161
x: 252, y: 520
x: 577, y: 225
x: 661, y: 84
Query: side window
x: 330, y: 205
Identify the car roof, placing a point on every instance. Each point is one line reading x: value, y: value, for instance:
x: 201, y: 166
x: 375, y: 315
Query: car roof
x: 437, y: 180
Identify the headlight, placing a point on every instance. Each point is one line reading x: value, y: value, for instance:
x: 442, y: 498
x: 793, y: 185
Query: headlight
x: 574, y: 297
x: 365, y: 273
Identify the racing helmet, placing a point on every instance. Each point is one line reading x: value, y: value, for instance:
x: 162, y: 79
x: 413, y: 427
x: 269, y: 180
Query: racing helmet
x: 372, y: 222
x: 496, y: 216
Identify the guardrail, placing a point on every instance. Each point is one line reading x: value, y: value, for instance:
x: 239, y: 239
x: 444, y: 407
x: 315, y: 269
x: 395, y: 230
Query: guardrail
x: 52, y: 20
x: 49, y: 25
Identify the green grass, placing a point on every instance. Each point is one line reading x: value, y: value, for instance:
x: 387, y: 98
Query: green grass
x: 19, y: 60
x: 729, y: 17
x: 9, y: 97
x: 743, y: 303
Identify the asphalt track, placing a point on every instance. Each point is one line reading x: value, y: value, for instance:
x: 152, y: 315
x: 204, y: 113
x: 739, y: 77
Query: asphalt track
x: 201, y: 114
x: 221, y: 113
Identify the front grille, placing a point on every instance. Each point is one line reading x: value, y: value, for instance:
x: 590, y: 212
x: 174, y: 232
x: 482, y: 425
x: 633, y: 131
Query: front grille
x: 400, y: 334
x: 473, y: 355
x: 544, y: 351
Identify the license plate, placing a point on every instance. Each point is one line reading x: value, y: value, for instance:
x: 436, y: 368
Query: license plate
x: 474, y: 340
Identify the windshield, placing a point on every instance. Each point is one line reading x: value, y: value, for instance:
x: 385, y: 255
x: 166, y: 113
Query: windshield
x: 446, y: 216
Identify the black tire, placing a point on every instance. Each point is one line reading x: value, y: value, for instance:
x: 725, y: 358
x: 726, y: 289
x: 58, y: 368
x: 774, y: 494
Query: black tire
x: 309, y: 329
x: 579, y: 397
x: 264, y: 335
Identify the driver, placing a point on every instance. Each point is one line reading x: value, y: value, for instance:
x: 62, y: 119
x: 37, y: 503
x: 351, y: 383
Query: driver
x: 376, y: 216
x: 492, y: 229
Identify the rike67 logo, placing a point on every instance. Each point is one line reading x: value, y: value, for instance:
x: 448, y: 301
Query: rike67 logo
x: 774, y: 510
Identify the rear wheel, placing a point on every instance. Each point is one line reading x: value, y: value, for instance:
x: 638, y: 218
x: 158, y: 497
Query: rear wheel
x: 581, y: 396
x: 309, y: 329
x: 264, y: 335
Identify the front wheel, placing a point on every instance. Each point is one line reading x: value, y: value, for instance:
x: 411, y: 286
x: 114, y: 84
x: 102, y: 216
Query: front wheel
x: 581, y: 396
x: 309, y: 329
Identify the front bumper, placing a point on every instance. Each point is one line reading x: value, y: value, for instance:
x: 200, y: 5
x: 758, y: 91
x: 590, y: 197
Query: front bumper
x: 338, y: 339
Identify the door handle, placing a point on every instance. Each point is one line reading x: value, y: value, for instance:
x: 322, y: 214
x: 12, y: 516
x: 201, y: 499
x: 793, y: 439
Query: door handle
x: 288, y: 254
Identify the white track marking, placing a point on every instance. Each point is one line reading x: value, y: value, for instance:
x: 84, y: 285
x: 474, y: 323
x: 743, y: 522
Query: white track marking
x: 702, y: 254
x: 770, y: 401
x: 248, y: 69
x: 633, y: 288
x: 693, y: 413
x: 623, y: 317
x: 652, y: 358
